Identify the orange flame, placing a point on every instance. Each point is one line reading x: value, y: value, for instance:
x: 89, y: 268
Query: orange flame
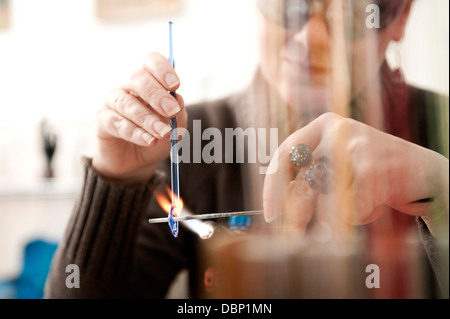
x: 163, y: 201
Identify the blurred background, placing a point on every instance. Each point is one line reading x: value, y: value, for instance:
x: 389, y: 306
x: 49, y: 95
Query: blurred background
x: 59, y: 58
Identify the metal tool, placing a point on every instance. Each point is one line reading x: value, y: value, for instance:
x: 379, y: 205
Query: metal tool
x: 205, y: 216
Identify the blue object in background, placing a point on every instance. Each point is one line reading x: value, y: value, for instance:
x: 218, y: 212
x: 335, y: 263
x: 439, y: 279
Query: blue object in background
x: 38, y: 255
x: 239, y: 222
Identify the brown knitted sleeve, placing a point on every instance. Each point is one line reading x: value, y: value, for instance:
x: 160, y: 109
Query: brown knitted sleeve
x: 98, y: 244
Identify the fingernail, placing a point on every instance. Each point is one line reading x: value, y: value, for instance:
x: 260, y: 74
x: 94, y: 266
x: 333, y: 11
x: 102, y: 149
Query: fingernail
x: 148, y: 138
x: 162, y: 128
x: 170, y: 107
x: 171, y: 80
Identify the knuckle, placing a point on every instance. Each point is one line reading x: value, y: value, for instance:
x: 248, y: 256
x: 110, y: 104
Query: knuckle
x: 127, y: 131
x: 339, y: 131
x: 135, y: 133
x: 116, y: 122
x: 357, y: 145
x: 145, y: 85
x: 342, y: 125
x: 152, y: 92
x: 138, y: 79
x: 144, y: 118
x: 329, y: 116
x: 124, y: 103
x: 123, y: 128
x: 154, y: 56
x: 158, y: 66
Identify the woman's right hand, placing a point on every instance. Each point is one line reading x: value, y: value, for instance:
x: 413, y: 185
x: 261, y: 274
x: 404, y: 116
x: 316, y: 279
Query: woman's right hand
x: 133, y: 126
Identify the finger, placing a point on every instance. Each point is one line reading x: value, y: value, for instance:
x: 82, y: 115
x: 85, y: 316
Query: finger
x: 276, y: 185
x: 116, y: 125
x: 304, y: 191
x: 300, y: 205
x: 140, y: 114
x: 161, y: 69
x: 143, y: 85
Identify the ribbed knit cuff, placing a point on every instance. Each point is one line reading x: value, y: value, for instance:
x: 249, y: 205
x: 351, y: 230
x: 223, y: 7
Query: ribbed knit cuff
x: 101, y: 234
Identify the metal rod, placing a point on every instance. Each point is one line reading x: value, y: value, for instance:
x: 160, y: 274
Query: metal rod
x: 205, y: 216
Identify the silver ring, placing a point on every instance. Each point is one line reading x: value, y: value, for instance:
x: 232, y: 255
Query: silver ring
x: 317, y: 175
x: 300, y: 155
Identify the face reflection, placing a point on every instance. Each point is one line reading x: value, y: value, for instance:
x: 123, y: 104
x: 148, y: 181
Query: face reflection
x: 298, y: 62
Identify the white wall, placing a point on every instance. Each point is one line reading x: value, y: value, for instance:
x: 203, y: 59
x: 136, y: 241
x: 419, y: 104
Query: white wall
x: 425, y: 48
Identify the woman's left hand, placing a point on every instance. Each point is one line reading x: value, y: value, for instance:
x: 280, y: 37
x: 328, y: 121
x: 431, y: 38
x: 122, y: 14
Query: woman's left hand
x: 365, y: 168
